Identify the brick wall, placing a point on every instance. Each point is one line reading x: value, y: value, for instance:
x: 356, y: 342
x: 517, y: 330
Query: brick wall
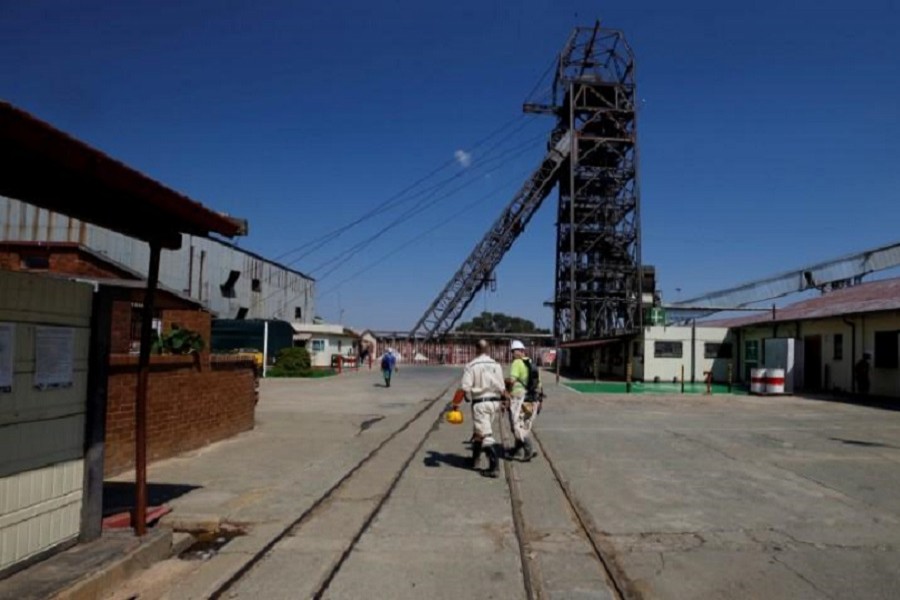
x: 120, y: 332
x: 195, y: 319
x: 62, y: 258
x: 191, y: 402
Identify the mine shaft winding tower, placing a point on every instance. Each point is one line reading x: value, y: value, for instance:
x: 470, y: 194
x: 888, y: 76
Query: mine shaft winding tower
x: 592, y: 155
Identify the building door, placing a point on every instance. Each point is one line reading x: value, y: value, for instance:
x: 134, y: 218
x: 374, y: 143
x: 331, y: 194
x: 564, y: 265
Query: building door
x: 812, y: 362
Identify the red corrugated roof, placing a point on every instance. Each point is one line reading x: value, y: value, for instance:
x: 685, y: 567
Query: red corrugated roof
x: 874, y: 296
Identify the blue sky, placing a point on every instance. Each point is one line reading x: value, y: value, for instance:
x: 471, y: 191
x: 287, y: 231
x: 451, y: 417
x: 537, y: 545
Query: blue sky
x: 769, y: 134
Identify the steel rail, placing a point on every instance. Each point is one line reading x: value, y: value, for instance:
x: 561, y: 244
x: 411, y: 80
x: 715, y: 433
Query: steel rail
x: 332, y: 491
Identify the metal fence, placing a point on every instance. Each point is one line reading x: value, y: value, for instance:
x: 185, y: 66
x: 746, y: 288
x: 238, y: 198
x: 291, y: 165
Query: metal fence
x: 458, y: 353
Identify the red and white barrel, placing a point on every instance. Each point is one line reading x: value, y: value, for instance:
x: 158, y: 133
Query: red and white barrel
x: 775, y: 381
x: 757, y: 381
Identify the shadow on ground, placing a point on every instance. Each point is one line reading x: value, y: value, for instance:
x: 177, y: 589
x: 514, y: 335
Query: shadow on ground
x: 436, y: 459
x: 879, y: 402
x: 118, y: 496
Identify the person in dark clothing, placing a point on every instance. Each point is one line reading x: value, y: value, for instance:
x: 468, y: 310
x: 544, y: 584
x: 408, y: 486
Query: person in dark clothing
x: 388, y: 366
x: 862, y: 374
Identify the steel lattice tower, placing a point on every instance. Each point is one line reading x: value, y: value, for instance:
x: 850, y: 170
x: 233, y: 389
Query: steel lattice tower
x: 592, y: 155
x: 598, y: 254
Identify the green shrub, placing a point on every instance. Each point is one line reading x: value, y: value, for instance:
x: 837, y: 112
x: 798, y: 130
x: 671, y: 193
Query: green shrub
x: 314, y: 373
x: 177, y: 341
x: 293, y: 360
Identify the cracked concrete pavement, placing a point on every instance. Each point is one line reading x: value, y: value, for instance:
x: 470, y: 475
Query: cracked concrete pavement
x: 690, y: 496
x: 736, y: 497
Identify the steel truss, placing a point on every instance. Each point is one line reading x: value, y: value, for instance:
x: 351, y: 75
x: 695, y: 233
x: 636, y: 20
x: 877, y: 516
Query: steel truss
x: 477, y: 270
x: 593, y: 157
x: 598, y: 267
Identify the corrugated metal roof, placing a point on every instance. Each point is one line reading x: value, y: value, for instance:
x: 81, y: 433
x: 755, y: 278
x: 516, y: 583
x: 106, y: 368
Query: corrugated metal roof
x: 130, y: 284
x: 323, y: 328
x: 51, y: 169
x: 874, y: 296
x: 814, y: 276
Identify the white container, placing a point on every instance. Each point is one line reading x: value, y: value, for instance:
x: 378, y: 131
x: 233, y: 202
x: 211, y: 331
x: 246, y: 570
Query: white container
x: 774, y: 381
x: 757, y: 381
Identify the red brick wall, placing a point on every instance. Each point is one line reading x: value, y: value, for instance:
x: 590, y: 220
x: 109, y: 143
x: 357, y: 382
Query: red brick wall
x: 196, y: 320
x: 66, y: 259
x: 120, y: 332
x: 191, y: 402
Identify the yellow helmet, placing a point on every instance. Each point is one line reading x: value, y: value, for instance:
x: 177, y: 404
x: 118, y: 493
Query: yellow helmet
x: 454, y: 417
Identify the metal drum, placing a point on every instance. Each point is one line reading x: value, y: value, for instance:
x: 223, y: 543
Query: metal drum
x: 775, y: 381
x: 757, y: 381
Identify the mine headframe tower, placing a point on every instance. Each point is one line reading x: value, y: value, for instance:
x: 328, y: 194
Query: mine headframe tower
x: 598, y: 291
x: 592, y: 155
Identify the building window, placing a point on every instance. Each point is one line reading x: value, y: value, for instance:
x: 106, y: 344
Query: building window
x: 340, y: 346
x: 712, y: 350
x: 35, y: 261
x: 256, y: 285
x: 751, y: 351
x: 886, y: 351
x: 838, y: 346
x: 667, y: 349
x: 298, y: 313
x: 318, y: 345
x: 137, y: 311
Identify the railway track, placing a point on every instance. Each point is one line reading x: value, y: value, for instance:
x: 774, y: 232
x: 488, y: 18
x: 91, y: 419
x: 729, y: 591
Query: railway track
x: 350, y: 507
x: 334, y: 491
x: 620, y: 586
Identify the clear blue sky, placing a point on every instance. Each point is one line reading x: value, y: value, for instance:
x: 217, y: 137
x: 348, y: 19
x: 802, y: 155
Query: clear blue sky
x: 769, y: 134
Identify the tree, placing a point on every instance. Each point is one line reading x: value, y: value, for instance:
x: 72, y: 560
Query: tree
x: 500, y: 323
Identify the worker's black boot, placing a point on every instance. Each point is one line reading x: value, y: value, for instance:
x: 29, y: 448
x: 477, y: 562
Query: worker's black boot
x: 530, y: 452
x: 516, y: 449
x: 476, y: 454
x: 493, y: 462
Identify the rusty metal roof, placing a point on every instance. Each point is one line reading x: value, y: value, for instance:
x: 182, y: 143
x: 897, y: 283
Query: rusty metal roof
x: 50, y: 169
x: 874, y: 296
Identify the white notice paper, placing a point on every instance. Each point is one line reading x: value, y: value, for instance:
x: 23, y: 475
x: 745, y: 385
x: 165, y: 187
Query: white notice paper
x: 54, y: 348
x: 7, y: 350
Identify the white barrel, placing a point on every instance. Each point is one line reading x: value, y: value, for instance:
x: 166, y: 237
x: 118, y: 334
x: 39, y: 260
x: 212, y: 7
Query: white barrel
x: 757, y: 381
x: 775, y: 381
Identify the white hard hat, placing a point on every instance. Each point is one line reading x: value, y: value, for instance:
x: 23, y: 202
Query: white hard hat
x: 516, y: 345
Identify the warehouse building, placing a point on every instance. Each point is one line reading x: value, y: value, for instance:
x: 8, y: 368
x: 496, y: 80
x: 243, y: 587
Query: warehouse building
x: 831, y: 334
x: 227, y: 280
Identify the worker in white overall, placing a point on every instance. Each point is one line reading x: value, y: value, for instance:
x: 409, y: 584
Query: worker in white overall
x: 482, y: 382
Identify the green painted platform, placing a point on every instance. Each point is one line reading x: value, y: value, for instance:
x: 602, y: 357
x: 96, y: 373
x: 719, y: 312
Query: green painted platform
x: 618, y: 387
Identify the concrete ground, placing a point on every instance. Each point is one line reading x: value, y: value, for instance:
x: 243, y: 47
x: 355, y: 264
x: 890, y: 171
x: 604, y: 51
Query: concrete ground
x: 728, y: 497
x: 693, y: 497
x: 309, y: 434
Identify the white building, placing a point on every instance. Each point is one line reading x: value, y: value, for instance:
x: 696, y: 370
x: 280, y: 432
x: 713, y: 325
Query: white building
x: 670, y: 353
x: 325, y: 341
x: 831, y: 332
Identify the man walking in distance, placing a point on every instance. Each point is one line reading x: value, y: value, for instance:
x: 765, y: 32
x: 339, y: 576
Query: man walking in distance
x: 388, y: 366
x: 482, y: 382
x: 522, y: 408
